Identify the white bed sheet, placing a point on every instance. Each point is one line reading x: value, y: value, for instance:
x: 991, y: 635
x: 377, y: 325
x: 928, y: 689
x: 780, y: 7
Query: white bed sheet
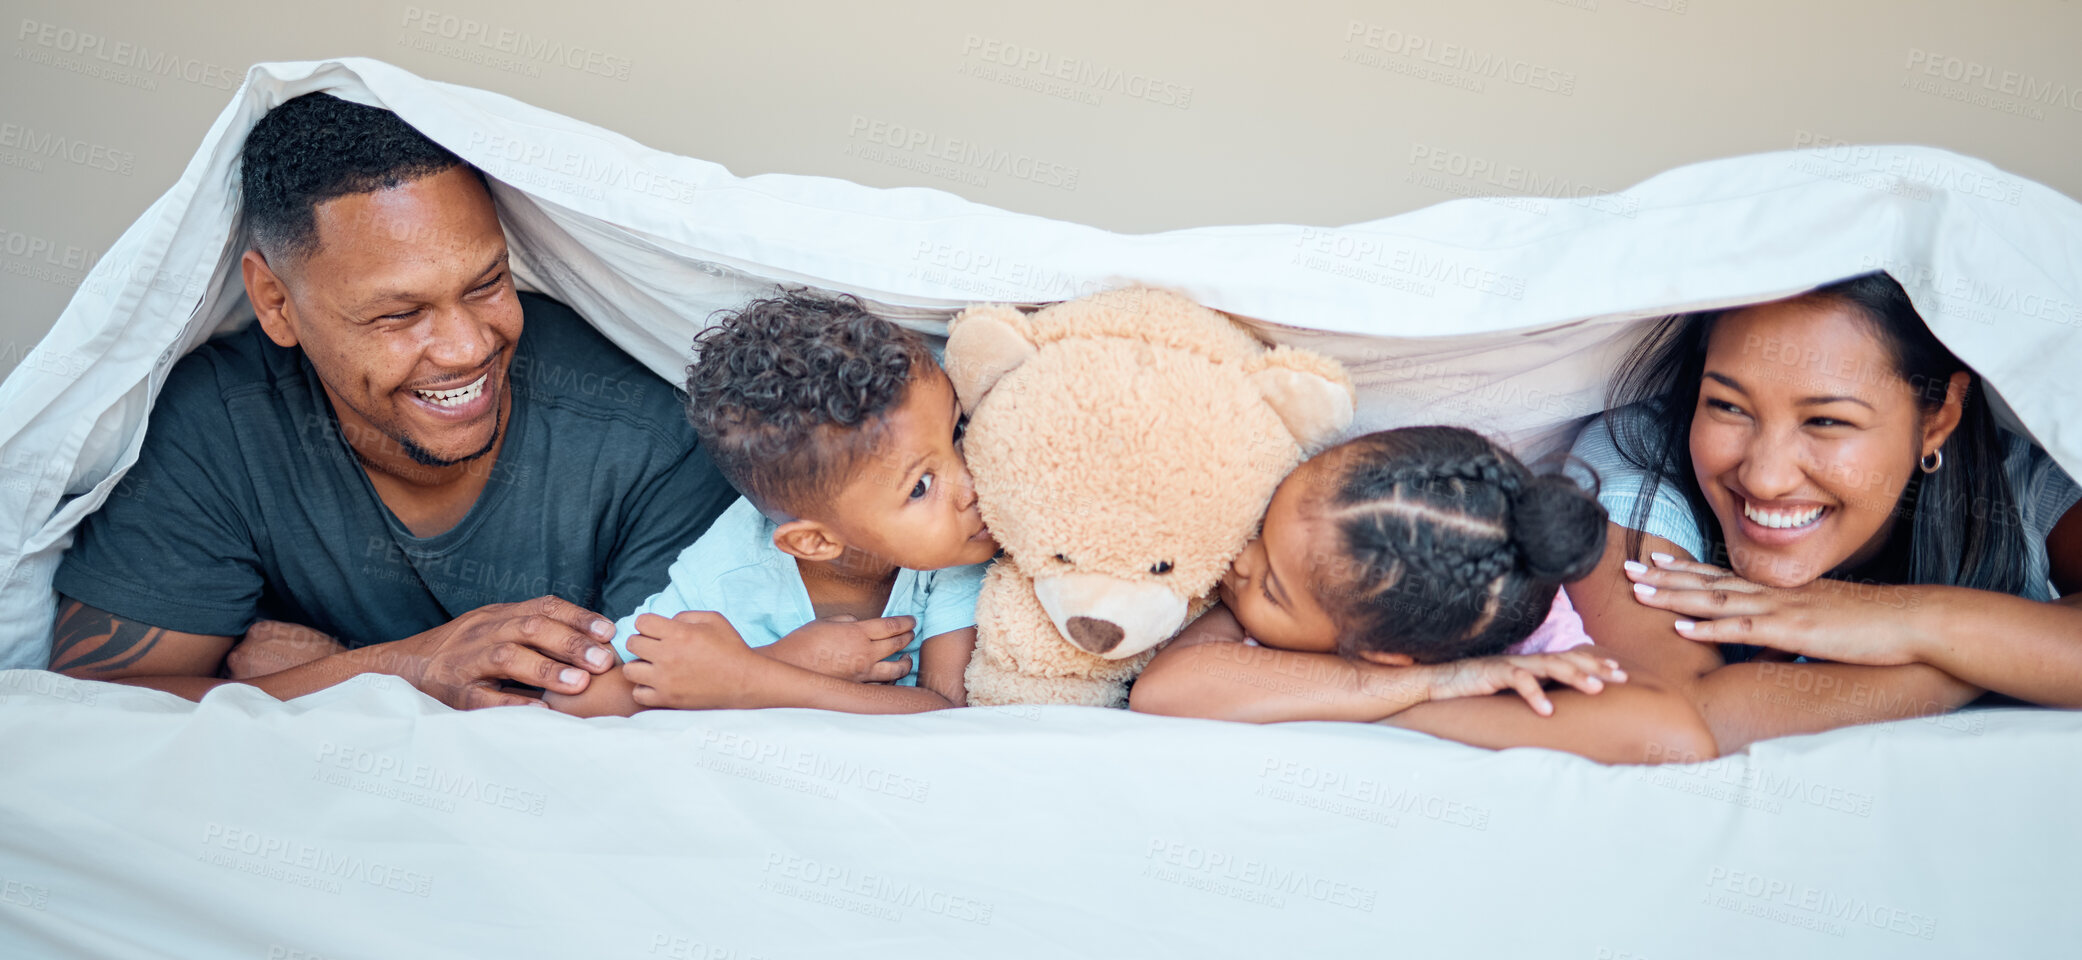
x: 368, y: 821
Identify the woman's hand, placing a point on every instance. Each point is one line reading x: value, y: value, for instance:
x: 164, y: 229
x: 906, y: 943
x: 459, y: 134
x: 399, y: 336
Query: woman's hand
x: 1482, y: 676
x: 1824, y: 619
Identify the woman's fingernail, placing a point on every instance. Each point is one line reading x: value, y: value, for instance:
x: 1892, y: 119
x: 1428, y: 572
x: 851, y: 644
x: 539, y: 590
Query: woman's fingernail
x: 1684, y: 626
x: 1635, y: 566
x: 1595, y: 684
x: 1642, y: 589
x: 571, y: 675
x: 1618, y: 675
x: 1662, y: 559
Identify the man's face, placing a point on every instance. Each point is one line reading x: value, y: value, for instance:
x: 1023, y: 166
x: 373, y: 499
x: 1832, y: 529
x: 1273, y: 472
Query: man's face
x: 407, y: 311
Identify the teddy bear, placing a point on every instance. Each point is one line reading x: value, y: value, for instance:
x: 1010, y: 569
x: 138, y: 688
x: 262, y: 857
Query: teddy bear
x: 1124, y: 447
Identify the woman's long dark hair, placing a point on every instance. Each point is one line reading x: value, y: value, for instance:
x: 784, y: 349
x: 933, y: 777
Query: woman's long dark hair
x: 1963, y: 527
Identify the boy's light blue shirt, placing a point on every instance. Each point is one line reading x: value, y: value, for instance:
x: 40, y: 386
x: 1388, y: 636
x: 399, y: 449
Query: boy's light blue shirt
x: 734, y: 569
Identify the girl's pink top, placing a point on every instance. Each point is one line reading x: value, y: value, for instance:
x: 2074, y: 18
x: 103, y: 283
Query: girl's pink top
x: 1562, y: 629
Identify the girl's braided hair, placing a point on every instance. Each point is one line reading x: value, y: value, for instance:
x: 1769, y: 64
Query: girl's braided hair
x: 1448, y: 546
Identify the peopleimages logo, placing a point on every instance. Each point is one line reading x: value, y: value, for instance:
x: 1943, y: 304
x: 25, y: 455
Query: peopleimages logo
x: 524, y: 46
x: 1482, y: 64
x: 122, y: 53
x: 1093, y: 78
x: 963, y: 155
x: 1973, y: 73
x: 43, y: 143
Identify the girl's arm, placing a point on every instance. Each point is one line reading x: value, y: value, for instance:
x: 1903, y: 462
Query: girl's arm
x: 1209, y: 672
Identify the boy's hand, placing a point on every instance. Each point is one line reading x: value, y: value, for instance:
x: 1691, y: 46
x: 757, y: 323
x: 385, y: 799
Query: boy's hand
x: 847, y: 648
x: 694, y: 661
x: 1482, y: 676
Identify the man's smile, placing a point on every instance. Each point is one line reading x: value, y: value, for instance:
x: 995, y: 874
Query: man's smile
x: 458, y: 400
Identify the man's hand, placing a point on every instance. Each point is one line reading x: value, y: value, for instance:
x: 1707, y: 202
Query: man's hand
x: 546, y: 642
x: 694, y: 661
x: 847, y: 648
x: 272, y: 646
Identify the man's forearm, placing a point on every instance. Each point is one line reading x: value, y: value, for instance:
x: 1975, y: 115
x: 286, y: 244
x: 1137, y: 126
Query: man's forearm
x: 1747, y: 702
x: 295, y: 681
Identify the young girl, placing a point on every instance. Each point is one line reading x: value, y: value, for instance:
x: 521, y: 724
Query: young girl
x: 1409, y: 566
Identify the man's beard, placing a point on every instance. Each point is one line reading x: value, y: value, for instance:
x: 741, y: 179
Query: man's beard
x: 426, y: 458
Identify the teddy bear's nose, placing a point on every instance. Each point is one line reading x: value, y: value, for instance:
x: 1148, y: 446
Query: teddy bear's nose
x: 1095, y: 635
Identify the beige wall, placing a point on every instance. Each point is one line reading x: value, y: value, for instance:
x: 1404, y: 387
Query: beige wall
x: 1136, y: 116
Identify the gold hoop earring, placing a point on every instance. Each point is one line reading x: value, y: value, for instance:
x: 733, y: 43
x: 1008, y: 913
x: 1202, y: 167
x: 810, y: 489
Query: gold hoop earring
x: 1932, y: 461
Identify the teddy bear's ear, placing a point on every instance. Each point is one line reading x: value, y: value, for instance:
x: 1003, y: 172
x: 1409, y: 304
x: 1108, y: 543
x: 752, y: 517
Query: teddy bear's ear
x: 984, y: 343
x: 1311, y: 393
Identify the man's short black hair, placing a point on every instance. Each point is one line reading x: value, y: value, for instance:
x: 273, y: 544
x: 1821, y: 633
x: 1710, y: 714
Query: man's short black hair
x: 788, y: 393
x: 319, y: 147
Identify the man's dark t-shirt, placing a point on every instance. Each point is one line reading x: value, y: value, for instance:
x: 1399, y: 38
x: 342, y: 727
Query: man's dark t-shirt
x: 246, y: 503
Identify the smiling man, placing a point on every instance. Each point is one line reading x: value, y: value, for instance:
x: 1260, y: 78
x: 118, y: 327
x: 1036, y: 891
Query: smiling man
x: 463, y: 484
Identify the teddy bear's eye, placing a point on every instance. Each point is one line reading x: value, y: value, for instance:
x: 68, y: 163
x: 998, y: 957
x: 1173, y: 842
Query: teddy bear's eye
x: 1059, y: 558
x: 1161, y: 566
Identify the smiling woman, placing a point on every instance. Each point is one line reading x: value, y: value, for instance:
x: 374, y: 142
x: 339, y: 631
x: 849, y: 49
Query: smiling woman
x: 1847, y: 471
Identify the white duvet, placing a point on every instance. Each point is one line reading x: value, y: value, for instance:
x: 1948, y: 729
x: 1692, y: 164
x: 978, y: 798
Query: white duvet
x: 368, y: 821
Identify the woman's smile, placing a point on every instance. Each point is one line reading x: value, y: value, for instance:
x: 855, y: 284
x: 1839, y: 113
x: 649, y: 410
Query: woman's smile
x: 1778, y: 523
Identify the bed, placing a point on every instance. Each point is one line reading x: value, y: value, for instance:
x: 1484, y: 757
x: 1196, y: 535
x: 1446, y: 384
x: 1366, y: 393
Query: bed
x: 367, y: 820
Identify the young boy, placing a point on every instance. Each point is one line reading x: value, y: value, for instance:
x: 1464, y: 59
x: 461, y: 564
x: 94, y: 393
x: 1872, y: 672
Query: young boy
x: 857, y: 534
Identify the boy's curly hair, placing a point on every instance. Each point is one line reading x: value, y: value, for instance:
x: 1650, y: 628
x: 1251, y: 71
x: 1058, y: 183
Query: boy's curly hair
x: 789, y: 392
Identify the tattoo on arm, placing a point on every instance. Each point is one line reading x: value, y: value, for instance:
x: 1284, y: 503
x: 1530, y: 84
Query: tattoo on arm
x: 74, y: 645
